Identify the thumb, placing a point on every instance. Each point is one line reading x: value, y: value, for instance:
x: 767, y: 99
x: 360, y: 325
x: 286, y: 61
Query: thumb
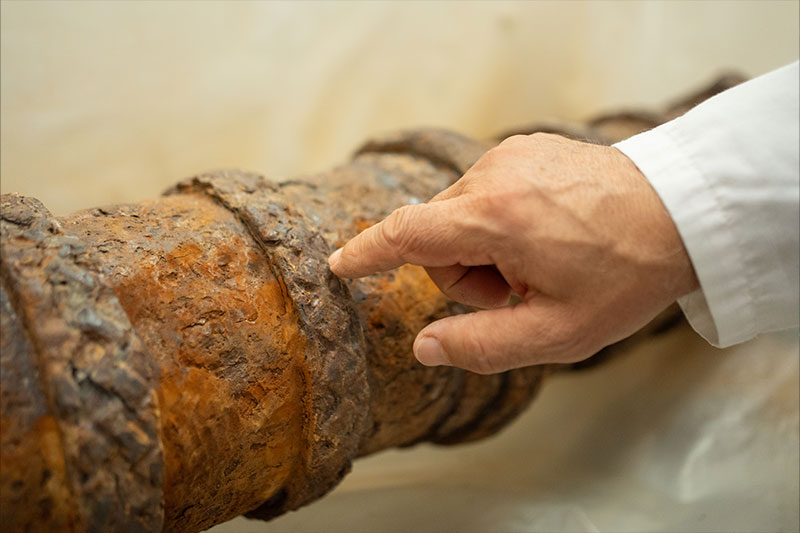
x: 536, y: 331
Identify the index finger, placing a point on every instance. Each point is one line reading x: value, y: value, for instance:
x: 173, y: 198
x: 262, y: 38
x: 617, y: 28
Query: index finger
x: 433, y: 234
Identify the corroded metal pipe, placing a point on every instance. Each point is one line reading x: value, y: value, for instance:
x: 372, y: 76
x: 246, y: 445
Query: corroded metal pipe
x: 171, y: 364
x: 174, y: 363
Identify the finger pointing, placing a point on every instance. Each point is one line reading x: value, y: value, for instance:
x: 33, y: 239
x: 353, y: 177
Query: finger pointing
x: 426, y: 234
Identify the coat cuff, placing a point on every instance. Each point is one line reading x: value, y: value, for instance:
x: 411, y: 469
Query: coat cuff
x: 722, y: 310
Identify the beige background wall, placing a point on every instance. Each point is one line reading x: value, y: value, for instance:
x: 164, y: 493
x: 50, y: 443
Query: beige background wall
x: 113, y: 101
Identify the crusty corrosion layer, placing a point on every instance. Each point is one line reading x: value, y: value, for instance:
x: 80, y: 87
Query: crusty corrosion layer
x: 184, y: 360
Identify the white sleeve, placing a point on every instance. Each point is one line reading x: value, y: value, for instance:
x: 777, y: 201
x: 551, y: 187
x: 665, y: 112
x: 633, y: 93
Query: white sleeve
x: 728, y: 172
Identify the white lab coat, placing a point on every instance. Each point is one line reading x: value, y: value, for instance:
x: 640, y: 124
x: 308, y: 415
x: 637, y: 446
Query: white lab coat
x: 728, y: 172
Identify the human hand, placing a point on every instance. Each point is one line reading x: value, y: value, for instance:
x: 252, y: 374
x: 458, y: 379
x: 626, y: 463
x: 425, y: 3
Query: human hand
x: 574, y: 229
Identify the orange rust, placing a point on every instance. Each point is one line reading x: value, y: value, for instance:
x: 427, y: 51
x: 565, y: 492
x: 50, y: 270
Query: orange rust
x: 413, y: 292
x: 360, y: 224
x: 193, y: 303
x: 41, y: 458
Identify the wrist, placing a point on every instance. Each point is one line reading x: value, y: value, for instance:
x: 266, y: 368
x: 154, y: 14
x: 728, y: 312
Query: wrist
x: 657, y: 236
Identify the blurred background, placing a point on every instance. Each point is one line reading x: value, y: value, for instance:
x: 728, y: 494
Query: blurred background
x: 108, y: 102
x: 112, y: 101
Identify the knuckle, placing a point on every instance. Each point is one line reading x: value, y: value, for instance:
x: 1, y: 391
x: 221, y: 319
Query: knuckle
x: 515, y: 140
x: 492, y: 205
x: 481, y: 358
x: 493, y: 157
x: 543, y: 137
x: 397, y: 229
x: 493, y: 212
x: 567, y: 342
x: 562, y: 340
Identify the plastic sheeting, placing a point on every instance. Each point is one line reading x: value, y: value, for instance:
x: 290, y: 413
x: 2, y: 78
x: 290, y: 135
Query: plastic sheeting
x: 671, y: 436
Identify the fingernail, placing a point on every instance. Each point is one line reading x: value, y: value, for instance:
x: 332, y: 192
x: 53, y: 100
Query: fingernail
x: 334, y: 257
x: 429, y: 352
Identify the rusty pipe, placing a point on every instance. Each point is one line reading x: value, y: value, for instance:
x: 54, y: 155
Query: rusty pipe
x: 171, y: 364
x: 174, y: 363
